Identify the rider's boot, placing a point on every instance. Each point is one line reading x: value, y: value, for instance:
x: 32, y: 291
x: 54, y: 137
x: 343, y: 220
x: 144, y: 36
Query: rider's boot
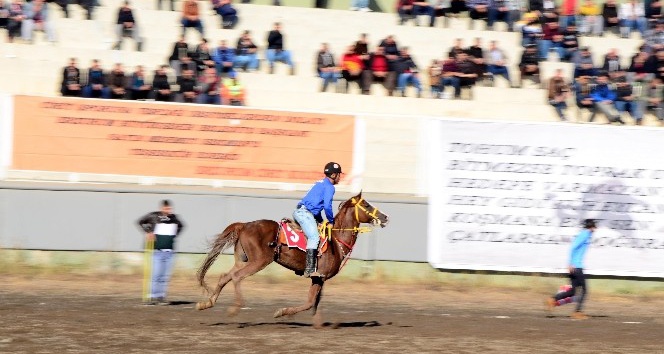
x: 310, y: 268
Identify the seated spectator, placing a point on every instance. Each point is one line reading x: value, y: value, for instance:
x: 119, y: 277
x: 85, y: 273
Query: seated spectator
x: 558, y: 93
x: 567, y: 13
x: 246, y: 57
x: 659, y: 63
x: 96, y: 83
x: 642, y: 68
x: 407, y: 73
x: 117, y: 83
x: 352, y: 65
x: 604, y: 97
x: 405, y: 10
x: 655, y: 38
x: 654, y: 102
x: 187, y: 92
x: 653, y: 9
x: 549, y: 13
x: 476, y: 55
x: 162, y: 85
x: 140, y: 90
x: 4, y: 15
x: 87, y: 5
x: 227, y: 13
x: 441, y: 8
x: 467, y: 70
x: 451, y: 73
x: 37, y: 19
x: 232, y: 91
x: 531, y: 30
x: 390, y: 48
x: 71, y: 80
x: 202, y: 57
x: 590, y: 19
x: 360, y: 5
x: 632, y: 17
x: 362, y: 45
x: 126, y: 27
x: 424, y: 8
x: 499, y: 10
x: 326, y: 67
x: 435, y: 72
x: 627, y: 101
x: 191, y: 16
x: 610, y: 16
x: 457, y: 7
x: 378, y: 70
x: 478, y: 9
x: 180, y: 50
x: 209, y: 85
x: 570, y: 43
x: 583, y: 63
x: 612, y: 62
x: 186, y: 63
x: 224, y: 58
x: 551, y: 40
x: 16, y: 17
x: 529, y: 65
x: 582, y: 92
x: 172, y: 5
x: 497, y: 62
x: 456, y: 48
x: 275, y: 49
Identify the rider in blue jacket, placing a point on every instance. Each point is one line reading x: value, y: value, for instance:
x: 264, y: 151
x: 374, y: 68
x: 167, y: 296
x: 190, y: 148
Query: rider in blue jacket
x: 309, y: 213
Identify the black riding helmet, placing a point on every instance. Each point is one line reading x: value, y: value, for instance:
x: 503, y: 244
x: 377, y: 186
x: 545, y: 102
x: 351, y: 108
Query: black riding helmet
x: 331, y: 168
x: 589, y: 224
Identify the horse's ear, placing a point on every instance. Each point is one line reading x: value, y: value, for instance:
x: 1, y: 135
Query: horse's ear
x: 359, y: 195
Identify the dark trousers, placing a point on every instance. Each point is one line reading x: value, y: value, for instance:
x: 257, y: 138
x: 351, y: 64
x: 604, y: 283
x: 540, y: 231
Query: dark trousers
x: 578, y: 280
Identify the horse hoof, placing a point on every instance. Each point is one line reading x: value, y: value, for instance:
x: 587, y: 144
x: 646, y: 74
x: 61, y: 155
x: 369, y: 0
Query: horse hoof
x: 279, y: 313
x: 233, y: 311
x: 203, y: 305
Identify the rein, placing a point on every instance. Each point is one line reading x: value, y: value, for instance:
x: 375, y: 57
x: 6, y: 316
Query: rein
x: 355, y: 229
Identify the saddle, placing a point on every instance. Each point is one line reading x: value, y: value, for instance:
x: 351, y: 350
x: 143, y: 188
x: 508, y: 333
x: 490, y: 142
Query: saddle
x: 291, y: 235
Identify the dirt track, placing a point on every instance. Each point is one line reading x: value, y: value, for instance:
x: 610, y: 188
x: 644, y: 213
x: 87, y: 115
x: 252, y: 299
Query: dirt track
x: 67, y: 314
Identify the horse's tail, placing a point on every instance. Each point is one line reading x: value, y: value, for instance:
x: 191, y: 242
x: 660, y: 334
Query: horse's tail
x: 224, y: 240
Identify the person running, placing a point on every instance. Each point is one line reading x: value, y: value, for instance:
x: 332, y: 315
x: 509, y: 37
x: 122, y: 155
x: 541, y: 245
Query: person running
x: 578, y: 279
x: 309, y: 213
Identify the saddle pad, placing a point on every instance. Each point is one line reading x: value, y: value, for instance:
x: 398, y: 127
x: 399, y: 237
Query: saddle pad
x: 296, y: 238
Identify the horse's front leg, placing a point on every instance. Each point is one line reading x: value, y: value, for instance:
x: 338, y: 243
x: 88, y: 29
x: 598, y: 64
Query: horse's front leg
x: 318, y: 318
x: 312, y: 300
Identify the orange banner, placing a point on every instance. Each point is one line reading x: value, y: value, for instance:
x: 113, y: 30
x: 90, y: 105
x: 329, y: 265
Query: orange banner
x: 177, y: 140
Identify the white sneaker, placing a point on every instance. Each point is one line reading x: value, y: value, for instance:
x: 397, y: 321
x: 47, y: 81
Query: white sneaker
x: 366, y: 9
x: 353, y: 8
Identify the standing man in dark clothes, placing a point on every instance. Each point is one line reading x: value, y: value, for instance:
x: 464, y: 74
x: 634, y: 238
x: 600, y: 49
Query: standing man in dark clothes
x: 275, y: 49
x: 71, y: 80
x: 162, y: 88
x: 126, y: 24
x: 579, y: 247
x: 161, y: 229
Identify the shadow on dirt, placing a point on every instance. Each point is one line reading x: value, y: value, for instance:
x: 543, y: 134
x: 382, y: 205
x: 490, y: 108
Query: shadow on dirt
x: 357, y: 324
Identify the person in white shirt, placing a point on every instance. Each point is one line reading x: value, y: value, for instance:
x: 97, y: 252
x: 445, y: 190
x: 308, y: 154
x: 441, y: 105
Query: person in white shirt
x: 632, y: 16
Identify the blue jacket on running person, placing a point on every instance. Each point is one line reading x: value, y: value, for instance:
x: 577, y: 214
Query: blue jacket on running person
x: 319, y: 198
x: 579, y: 247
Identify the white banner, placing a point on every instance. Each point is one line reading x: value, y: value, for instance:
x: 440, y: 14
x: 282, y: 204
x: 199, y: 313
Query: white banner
x: 511, y: 196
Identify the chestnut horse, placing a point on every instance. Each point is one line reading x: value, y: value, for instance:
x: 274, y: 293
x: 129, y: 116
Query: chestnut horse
x: 256, y: 245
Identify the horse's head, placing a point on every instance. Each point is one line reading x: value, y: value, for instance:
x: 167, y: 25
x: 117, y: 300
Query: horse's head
x: 365, y: 212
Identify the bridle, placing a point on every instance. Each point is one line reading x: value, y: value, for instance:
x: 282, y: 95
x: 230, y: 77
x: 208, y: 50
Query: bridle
x: 357, y: 205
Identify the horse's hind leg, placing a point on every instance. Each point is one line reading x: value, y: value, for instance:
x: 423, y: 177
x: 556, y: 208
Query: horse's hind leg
x: 249, y: 269
x: 223, y: 280
x: 312, y: 300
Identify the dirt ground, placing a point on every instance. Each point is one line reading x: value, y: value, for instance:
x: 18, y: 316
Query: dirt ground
x: 86, y: 314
